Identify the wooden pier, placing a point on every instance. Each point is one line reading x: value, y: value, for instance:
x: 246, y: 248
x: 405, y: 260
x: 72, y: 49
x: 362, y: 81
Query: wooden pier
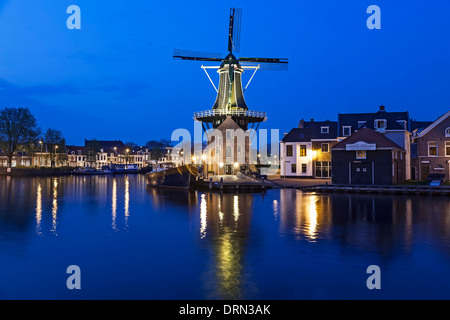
x: 233, y: 184
x: 397, y: 189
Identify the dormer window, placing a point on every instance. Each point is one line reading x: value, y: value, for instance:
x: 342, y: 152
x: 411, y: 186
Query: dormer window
x: 402, y: 123
x: 346, y: 131
x: 380, y: 124
x: 324, y: 129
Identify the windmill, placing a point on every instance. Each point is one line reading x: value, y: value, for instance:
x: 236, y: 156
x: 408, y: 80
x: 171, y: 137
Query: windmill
x: 230, y: 93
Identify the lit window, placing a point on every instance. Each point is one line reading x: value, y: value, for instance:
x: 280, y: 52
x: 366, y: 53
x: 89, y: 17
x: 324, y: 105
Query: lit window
x: 361, y: 154
x: 302, y: 150
x: 432, y: 148
x: 325, y: 147
x: 447, y: 148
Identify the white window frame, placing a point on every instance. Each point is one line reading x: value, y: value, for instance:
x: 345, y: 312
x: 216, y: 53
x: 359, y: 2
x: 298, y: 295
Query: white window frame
x: 447, y: 132
x: 375, y: 124
x: 328, y: 147
x: 343, y: 131
x: 437, y: 150
x: 324, y: 130
x: 447, y: 145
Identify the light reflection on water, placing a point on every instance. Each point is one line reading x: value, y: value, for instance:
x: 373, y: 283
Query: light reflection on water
x: 284, y: 244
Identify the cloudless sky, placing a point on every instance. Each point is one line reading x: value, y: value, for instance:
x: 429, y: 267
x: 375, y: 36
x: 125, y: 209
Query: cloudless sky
x: 116, y: 79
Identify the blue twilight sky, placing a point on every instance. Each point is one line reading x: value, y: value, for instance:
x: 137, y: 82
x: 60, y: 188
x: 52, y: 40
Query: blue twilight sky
x: 116, y: 79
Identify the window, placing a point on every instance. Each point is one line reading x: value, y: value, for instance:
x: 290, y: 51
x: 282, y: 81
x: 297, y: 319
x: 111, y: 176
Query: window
x: 302, y: 150
x: 289, y: 150
x: 346, y: 131
x: 432, y: 148
x: 360, y: 124
x: 323, y: 169
x: 325, y: 147
x: 228, y: 155
x: 218, y: 151
x: 293, y: 168
x: 228, y: 134
x: 447, y: 148
x: 361, y: 154
x: 324, y: 129
x: 380, y: 124
x: 447, y: 132
x: 239, y: 149
x: 304, y: 167
x: 402, y: 123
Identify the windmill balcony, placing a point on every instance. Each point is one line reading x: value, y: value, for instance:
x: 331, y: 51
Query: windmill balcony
x: 235, y: 112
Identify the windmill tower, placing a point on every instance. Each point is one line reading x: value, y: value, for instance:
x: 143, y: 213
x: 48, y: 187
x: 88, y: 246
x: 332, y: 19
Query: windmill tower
x: 230, y: 111
x: 230, y: 100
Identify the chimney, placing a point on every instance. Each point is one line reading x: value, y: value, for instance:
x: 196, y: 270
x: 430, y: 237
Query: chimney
x: 312, y: 120
x: 382, y: 108
x: 301, y: 124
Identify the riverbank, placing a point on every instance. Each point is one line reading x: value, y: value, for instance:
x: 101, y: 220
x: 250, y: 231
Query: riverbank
x: 20, y: 172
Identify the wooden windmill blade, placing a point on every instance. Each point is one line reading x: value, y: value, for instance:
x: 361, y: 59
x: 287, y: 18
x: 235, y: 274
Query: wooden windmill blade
x: 180, y: 54
x: 265, y: 63
x: 234, y: 30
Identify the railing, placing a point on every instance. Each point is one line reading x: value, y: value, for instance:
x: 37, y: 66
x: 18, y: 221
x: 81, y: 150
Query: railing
x: 221, y: 112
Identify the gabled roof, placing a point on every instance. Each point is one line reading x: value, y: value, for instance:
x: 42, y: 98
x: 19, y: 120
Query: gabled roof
x: 391, y: 122
x: 352, y: 119
x: 368, y: 136
x: 434, y: 124
x: 312, y: 130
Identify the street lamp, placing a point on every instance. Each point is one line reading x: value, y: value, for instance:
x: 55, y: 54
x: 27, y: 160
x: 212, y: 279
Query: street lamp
x: 40, y: 156
x: 54, y: 160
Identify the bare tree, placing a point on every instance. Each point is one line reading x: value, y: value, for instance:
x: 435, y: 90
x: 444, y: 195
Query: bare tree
x: 18, y: 129
x: 56, y: 145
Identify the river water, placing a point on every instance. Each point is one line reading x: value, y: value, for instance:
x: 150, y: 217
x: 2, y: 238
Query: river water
x: 131, y: 242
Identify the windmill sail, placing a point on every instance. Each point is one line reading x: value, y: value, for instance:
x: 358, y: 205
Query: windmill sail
x: 230, y: 97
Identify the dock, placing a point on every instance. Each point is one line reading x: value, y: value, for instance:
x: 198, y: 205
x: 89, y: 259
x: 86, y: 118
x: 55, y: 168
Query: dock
x: 396, y: 189
x: 234, y: 183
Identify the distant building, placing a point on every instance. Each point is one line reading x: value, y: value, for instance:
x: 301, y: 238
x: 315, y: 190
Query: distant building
x: 433, y: 149
x: 368, y: 157
x: 305, y: 152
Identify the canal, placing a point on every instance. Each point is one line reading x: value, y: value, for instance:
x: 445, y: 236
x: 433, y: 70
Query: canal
x: 131, y: 242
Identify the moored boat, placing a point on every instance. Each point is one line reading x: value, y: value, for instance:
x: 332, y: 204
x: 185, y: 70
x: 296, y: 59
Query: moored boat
x: 183, y: 177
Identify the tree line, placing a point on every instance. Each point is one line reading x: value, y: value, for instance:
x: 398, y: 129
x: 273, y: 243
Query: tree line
x: 19, y: 132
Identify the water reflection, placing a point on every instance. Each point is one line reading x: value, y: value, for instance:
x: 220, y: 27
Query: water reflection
x: 55, y: 206
x: 223, y: 246
x: 39, y: 209
x: 114, y: 204
x: 379, y: 223
x: 127, y: 200
x: 224, y: 228
x: 306, y: 216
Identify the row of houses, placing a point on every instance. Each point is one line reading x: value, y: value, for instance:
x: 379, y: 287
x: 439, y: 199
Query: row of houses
x: 368, y: 148
x: 105, y: 153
